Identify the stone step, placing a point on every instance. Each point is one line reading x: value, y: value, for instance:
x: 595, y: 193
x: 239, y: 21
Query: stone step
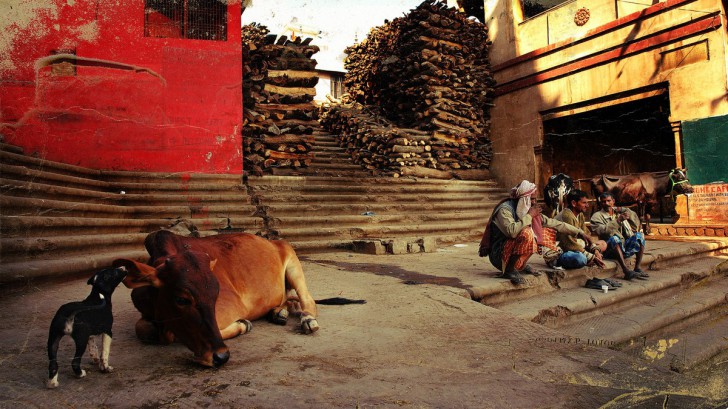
x: 26, y: 271
x: 18, y: 159
x: 659, y: 254
x: 386, y: 219
x: 284, y: 209
x: 686, y: 343
x: 467, y: 228
x: 25, y: 174
x: 32, y: 227
x: 11, y: 148
x: 300, y: 181
x: 673, y: 293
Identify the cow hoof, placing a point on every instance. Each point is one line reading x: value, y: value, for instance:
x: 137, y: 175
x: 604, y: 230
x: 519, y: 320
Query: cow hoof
x: 279, y: 317
x: 82, y: 374
x: 52, y: 383
x: 245, y: 326
x: 106, y: 369
x: 309, y: 325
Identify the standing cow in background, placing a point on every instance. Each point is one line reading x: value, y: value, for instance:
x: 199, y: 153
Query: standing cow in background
x: 642, y: 189
x: 556, y: 190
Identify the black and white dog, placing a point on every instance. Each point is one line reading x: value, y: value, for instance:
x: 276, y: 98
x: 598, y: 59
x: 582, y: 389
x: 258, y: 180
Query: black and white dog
x: 82, y: 321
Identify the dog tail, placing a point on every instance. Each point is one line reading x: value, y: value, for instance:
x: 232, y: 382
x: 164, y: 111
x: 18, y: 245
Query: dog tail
x: 339, y: 301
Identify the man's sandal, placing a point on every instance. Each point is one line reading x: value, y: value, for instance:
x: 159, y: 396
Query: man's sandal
x: 638, y: 270
x: 629, y: 275
x: 613, y: 283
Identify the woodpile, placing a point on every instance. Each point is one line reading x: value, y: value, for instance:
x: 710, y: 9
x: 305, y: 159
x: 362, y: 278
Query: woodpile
x: 426, y: 72
x: 378, y: 145
x: 278, y: 89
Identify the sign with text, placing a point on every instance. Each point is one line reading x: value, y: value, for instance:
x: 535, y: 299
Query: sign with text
x: 709, y: 203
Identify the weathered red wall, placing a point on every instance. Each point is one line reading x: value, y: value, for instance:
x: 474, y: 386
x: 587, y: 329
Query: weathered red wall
x: 187, y: 117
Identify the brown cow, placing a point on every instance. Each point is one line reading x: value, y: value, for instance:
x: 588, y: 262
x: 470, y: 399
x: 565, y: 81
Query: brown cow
x: 201, y: 291
x: 643, y: 189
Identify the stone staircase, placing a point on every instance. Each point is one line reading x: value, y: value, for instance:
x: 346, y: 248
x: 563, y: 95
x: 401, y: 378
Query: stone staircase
x: 677, y: 318
x: 322, y: 212
x: 60, y: 219
x: 329, y: 160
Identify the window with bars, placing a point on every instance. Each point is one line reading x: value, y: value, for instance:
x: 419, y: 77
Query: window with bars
x: 337, y: 85
x: 193, y: 19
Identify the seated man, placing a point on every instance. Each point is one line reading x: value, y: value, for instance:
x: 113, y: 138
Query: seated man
x: 618, y: 227
x: 514, y: 231
x: 574, y: 254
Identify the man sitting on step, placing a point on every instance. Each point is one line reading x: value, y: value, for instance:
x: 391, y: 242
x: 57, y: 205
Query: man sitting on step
x: 618, y: 227
x: 515, y: 230
x: 574, y: 253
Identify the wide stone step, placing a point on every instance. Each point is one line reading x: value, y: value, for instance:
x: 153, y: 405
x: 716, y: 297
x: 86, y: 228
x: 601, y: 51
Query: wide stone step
x: 380, y: 231
x: 183, y: 198
x: 300, y: 181
x: 173, y: 178
x: 378, y: 198
x: 385, y: 190
x: 28, y: 270
x: 22, y: 173
x: 525, y: 298
x: 14, y: 158
x: 644, y: 316
x: 24, y: 206
x: 34, y: 226
x: 30, y: 189
x: 335, y: 209
x: 688, y: 342
x: 372, y: 218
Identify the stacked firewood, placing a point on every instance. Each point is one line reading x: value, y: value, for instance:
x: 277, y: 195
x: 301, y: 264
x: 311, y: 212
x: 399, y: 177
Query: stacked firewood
x: 385, y: 149
x: 278, y: 89
x: 429, y: 71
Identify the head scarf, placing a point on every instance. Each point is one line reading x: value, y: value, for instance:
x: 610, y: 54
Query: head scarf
x: 523, y: 193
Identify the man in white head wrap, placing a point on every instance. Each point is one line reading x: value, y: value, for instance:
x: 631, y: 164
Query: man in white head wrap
x: 514, y: 231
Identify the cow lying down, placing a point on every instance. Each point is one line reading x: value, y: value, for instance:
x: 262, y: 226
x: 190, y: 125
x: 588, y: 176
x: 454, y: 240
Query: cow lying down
x: 201, y: 291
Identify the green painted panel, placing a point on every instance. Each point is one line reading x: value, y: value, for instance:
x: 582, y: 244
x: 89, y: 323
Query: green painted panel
x: 705, y: 148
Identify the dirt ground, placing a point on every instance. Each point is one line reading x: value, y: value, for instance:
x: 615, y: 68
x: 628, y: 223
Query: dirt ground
x: 417, y: 342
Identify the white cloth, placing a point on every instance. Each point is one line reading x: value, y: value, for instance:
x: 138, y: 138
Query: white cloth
x: 523, y: 193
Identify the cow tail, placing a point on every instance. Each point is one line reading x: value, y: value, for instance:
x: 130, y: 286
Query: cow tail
x: 339, y: 301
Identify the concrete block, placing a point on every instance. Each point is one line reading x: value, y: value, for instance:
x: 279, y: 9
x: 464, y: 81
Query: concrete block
x: 414, y: 247
x: 369, y: 247
x: 396, y: 246
x: 429, y: 244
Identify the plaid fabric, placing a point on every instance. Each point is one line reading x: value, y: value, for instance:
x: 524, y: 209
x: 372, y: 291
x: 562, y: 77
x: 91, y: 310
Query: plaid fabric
x: 548, y: 240
x: 630, y: 246
x: 523, y: 245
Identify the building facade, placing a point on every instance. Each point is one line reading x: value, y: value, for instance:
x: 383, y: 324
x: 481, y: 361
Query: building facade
x: 149, y: 85
x: 606, y: 86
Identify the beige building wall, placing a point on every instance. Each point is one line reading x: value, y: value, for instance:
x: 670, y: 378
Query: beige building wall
x: 548, y: 66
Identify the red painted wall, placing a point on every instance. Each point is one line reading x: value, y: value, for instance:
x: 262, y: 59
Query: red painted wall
x: 180, y: 110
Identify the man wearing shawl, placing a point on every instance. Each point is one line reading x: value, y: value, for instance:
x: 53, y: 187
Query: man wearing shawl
x: 515, y: 230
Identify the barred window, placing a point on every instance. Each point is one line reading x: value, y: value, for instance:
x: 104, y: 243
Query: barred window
x: 337, y: 85
x: 193, y: 19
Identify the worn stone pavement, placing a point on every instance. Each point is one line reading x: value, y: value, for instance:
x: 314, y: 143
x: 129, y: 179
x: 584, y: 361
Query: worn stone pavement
x: 418, y: 342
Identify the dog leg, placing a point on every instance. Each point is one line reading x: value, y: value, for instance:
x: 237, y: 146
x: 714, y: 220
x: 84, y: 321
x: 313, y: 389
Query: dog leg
x: 93, y: 350
x: 81, y: 341
x: 53, y: 341
x: 105, y: 350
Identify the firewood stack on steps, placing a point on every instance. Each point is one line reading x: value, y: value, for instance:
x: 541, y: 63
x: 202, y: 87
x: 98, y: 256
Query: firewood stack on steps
x: 278, y: 90
x: 427, y: 72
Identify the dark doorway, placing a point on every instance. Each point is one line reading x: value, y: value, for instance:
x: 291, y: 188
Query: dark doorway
x: 625, y: 138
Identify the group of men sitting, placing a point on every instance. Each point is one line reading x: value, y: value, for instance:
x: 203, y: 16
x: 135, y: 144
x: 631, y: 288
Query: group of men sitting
x: 517, y: 229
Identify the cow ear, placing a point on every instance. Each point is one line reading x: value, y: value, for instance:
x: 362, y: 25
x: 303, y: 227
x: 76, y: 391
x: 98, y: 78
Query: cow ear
x: 138, y: 274
x: 212, y: 264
